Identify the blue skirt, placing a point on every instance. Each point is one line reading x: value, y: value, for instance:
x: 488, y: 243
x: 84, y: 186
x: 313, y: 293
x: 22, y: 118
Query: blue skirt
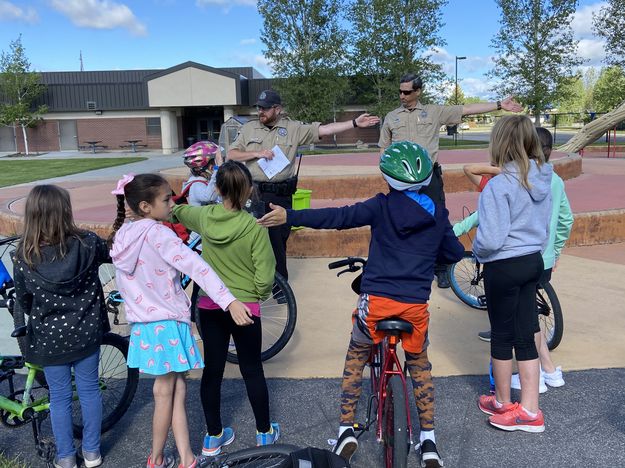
x: 158, y: 348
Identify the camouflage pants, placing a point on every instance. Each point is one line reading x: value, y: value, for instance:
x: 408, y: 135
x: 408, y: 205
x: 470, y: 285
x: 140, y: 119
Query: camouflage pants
x: 420, y: 372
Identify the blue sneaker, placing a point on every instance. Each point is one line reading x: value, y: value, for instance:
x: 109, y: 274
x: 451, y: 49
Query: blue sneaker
x: 213, y: 444
x: 268, y: 438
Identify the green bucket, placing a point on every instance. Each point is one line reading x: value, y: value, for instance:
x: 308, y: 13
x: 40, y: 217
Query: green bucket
x: 301, y: 201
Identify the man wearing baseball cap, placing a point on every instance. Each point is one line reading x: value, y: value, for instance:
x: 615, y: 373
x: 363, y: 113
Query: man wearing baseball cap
x: 256, y: 140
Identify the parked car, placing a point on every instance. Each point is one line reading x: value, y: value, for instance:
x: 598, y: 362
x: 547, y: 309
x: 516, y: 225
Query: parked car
x: 464, y: 126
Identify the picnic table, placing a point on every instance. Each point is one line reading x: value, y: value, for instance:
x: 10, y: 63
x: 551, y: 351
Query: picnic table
x: 133, y: 144
x: 93, y: 145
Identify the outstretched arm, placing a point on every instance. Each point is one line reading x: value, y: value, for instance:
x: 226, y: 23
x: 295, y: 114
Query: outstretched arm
x: 362, y: 121
x: 508, y: 104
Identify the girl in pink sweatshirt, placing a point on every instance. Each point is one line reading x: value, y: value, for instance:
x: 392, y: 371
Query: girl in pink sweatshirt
x: 148, y: 259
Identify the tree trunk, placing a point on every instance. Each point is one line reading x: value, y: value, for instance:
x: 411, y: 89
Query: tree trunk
x: 25, y: 139
x: 593, y: 130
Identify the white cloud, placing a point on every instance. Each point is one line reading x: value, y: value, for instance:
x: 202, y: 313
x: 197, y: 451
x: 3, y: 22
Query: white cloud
x: 582, y: 19
x: 471, y: 64
x: 100, y: 14
x: 11, y: 12
x: 202, y: 3
x: 593, y: 50
x: 247, y: 41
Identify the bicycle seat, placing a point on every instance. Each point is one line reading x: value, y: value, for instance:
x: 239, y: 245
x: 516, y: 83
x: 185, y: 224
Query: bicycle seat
x: 394, y: 325
x: 19, y: 332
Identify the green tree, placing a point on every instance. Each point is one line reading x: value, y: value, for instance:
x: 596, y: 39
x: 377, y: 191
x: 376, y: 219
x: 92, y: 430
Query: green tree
x: 609, y: 90
x: 609, y: 23
x: 452, y: 99
x: 19, y: 89
x: 590, y: 79
x: 305, y: 44
x: 390, y: 38
x: 535, y: 51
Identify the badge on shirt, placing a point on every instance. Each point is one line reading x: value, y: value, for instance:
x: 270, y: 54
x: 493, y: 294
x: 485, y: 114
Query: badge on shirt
x: 282, y: 132
x: 424, y: 114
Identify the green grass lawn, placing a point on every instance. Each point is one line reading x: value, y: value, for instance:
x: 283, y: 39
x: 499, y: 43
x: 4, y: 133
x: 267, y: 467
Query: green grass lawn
x: 11, y: 463
x: 14, y: 172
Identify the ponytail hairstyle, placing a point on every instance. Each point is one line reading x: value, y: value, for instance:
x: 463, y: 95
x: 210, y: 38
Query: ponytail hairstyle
x: 514, y: 139
x: 132, y: 190
x: 234, y: 182
x: 48, y: 220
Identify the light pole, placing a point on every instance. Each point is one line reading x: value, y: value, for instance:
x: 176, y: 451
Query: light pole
x: 456, y: 98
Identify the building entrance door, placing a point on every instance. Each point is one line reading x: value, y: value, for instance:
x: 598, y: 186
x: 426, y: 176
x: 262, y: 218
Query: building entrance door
x: 7, y: 139
x: 68, y: 135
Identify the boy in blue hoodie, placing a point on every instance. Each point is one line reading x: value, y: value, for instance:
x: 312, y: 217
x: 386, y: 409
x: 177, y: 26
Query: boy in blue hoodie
x: 409, y: 235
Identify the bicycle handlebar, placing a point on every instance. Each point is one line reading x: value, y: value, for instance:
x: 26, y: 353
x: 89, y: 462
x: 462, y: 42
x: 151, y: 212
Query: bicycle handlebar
x: 351, y: 261
x: 9, y: 240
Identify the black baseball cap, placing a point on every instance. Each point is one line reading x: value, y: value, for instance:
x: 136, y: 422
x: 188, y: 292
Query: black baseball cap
x: 268, y: 98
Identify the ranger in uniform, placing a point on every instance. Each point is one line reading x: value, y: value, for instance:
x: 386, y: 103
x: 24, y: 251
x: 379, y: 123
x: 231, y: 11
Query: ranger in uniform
x: 420, y: 123
x: 256, y: 140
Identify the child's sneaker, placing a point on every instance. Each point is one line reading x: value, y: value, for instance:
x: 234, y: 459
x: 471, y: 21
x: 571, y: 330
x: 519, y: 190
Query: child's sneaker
x: 554, y: 379
x: 167, y: 462
x: 487, y: 404
x: 429, y: 455
x: 91, y: 459
x: 515, y: 382
x: 65, y: 462
x: 195, y: 464
x: 268, y: 438
x: 346, y: 444
x: 213, y: 444
x: 517, y: 419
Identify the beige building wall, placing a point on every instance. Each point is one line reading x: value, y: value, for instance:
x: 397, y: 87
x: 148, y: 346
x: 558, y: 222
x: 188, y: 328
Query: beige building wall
x: 192, y: 87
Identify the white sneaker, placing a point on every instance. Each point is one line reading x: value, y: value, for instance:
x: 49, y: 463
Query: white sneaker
x: 515, y: 382
x: 555, y: 378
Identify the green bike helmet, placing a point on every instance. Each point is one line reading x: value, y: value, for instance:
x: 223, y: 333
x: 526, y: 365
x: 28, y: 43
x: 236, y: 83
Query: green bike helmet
x: 406, y: 166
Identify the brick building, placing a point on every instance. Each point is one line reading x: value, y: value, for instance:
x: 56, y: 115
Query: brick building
x: 165, y: 109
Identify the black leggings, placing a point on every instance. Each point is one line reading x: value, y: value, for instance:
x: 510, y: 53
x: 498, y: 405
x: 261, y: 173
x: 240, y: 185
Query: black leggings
x: 279, y: 235
x: 216, y: 327
x: 510, y: 290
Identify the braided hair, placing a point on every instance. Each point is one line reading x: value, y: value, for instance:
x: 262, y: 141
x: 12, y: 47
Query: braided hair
x: 144, y: 187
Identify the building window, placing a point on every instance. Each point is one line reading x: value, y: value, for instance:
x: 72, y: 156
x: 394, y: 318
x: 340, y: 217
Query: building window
x: 153, y: 125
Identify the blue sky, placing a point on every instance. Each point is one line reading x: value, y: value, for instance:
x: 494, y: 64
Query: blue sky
x: 135, y: 34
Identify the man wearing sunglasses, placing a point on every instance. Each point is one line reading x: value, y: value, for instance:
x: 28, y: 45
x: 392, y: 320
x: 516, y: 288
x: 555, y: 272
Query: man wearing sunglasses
x: 256, y: 140
x: 419, y: 123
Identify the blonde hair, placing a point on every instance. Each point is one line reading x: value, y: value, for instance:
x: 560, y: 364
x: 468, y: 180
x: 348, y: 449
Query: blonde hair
x: 48, y: 220
x: 514, y: 139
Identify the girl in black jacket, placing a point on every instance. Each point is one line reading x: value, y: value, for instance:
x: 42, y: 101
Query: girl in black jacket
x: 58, y: 287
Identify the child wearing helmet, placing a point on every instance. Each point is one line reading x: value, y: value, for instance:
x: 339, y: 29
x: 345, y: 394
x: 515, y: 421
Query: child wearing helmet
x: 203, y: 159
x: 410, y: 233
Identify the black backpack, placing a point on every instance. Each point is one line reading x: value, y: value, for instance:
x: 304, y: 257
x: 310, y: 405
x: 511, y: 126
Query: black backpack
x: 311, y: 457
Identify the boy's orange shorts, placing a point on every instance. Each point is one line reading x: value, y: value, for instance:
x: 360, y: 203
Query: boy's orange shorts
x: 371, y: 309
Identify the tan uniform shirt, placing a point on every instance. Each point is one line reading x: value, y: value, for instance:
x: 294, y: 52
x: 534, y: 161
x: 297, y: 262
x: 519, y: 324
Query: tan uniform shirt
x: 420, y: 125
x: 286, y: 133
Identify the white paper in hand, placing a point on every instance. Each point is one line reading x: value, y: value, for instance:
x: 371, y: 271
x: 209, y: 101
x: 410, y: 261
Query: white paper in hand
x: 272, y: 167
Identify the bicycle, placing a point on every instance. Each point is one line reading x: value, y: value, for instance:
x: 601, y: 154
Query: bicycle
x: 389, y: 392
x: 31, y: 404
x: 467, y: 282
x: 278, y: 311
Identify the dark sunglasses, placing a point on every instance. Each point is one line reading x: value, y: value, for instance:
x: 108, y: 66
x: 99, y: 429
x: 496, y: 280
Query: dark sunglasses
x: 406, y: 93
x: 265, y: 109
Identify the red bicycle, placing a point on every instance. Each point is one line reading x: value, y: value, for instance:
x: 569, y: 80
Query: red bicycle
x: 388, y: 403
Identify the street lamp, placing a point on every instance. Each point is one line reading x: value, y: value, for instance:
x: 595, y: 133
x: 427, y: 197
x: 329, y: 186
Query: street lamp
x: 456, y: 99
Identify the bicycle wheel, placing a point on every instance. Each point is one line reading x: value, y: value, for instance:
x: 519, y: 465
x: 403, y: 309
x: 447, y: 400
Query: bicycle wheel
x: 113, y: 300
x: 395, y: 424
x: 467, y: 281
x: 118, y: 383
x: 549, y: 315
x: 278, y: 317
x: 267, y: 456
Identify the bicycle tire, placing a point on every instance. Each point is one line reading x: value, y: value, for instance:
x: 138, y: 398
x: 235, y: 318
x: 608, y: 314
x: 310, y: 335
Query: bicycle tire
x: 278, y: 318
x: 118, y: 383
x: 550, y: 315
x: 258, y: 457
x: 395, y: 424
x: 467, y: 282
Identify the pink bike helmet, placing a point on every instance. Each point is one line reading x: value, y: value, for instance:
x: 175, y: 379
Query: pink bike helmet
x: 199, y: 155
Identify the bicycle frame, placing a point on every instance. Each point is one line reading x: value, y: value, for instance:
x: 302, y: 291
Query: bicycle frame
x: 386, y: 354
x: 22, y: 410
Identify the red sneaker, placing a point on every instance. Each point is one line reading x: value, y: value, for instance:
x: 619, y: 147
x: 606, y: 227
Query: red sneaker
x: 487, y: 405
x: 517, y: 419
